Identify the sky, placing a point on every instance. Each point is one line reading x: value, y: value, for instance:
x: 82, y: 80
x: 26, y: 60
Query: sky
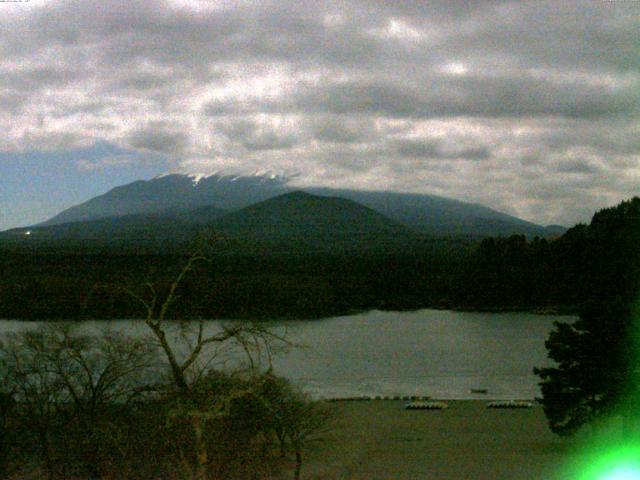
x: 530, y: 107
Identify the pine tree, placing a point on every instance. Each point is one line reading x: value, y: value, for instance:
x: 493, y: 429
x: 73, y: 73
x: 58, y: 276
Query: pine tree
x: 597, y: 356
x: 593, y: 371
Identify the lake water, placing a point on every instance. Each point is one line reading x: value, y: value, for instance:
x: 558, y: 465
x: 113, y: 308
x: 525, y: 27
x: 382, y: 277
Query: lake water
x: 442, y: 354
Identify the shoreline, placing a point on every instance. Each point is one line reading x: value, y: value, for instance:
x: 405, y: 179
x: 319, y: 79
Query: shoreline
x: 543, y: 311
x: 423, y: 398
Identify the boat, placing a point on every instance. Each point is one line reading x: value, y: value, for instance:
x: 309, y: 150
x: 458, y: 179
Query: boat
x: 510, y: 404
x: 426, y: 406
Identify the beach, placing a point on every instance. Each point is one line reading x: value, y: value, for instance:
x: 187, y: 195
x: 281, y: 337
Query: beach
x: 379, y: 439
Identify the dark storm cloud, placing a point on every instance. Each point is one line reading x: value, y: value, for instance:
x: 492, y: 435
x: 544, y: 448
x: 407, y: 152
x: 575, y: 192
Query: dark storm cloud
x: 591, y: 35
x: 611, y: 138
x: 436, y: 149
x: 157, y: 138
x: 542, y: 97
x: 34, y: 78
x: 255, y: 137
x: 479, y: 96
x: 578, y: 167
x: 339, y: 129
x: 221, y: 108
x: 138, y: 83
x: 269, y: 140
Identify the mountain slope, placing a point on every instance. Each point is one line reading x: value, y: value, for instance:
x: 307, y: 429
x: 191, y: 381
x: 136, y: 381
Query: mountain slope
x: 292, y: 222
x: 183, y: 193
x: 437, y: 215
x: 175, y: 192
x: 303, y: 220
x: 151, y: 231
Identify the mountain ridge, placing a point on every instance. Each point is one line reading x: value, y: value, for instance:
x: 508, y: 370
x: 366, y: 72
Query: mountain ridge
x: 428, y: 214
x: 292, y: 222
x: 173, y: 191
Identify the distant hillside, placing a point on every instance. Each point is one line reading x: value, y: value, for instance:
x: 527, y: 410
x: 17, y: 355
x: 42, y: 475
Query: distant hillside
x: 183, y: 193
x: 437, y: 215
x: 159, y: 231
x: 292, y: 222
x: 305, y: 221
x: 155, y: 232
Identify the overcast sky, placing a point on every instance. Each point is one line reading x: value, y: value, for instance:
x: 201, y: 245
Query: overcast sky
x: 531, y: 108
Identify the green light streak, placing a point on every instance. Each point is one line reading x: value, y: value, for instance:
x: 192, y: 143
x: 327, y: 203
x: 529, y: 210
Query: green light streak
x: 618, y: 463
x: 623, y: 473
x: 614, y: 452
x: 611, y: 454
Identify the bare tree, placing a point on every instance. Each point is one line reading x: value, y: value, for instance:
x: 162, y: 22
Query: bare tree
x: 38, y: 391
x: 307, y: 422
x: 255, y: 341
x: 296, y: 420
x: 60, y: 375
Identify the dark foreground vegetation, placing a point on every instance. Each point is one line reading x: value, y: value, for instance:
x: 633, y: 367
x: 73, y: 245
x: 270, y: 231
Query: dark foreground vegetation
x: 185, y: 401
x: 285, y: 280
x: 78, y: 405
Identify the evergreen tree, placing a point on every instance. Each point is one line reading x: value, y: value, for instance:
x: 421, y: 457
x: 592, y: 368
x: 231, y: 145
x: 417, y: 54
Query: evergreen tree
x: 592, y: 375
x: 596, y: 356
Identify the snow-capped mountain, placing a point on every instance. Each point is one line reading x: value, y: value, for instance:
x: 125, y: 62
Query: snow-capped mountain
x: 177, y: 192
x: 229, y: 191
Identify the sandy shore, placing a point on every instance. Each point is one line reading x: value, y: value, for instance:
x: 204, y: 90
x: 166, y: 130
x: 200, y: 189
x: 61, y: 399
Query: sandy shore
x: 381, y: 440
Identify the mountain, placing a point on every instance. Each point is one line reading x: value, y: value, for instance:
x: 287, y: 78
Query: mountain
x: 554, y: 230
x: 159, y: 231
x: 293, y: 222
x: 311, y: 222
x: 187, y: 193
x: 175, y: 192
x: 437, y: 215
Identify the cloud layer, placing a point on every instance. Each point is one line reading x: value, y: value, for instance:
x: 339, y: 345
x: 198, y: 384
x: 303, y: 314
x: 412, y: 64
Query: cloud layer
x: 530, y: 107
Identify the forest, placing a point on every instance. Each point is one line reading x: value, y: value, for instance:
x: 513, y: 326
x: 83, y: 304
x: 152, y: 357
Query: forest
x: 502, y: 273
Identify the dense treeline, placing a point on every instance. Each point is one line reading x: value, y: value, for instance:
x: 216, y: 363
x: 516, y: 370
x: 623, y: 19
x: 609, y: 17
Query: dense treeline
x: 502, y: 273
x: 587, y: 263
x: 48, y: 285
x: 508, y: 273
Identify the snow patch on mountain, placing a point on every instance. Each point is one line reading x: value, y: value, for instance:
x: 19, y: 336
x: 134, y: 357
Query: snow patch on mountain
x: 234, y: 174
x: 195, y: 177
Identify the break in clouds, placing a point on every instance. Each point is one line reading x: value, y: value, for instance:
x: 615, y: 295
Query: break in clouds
x: 527, y: 107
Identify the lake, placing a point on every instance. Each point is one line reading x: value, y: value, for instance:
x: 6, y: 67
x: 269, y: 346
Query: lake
x: 442, y: 354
